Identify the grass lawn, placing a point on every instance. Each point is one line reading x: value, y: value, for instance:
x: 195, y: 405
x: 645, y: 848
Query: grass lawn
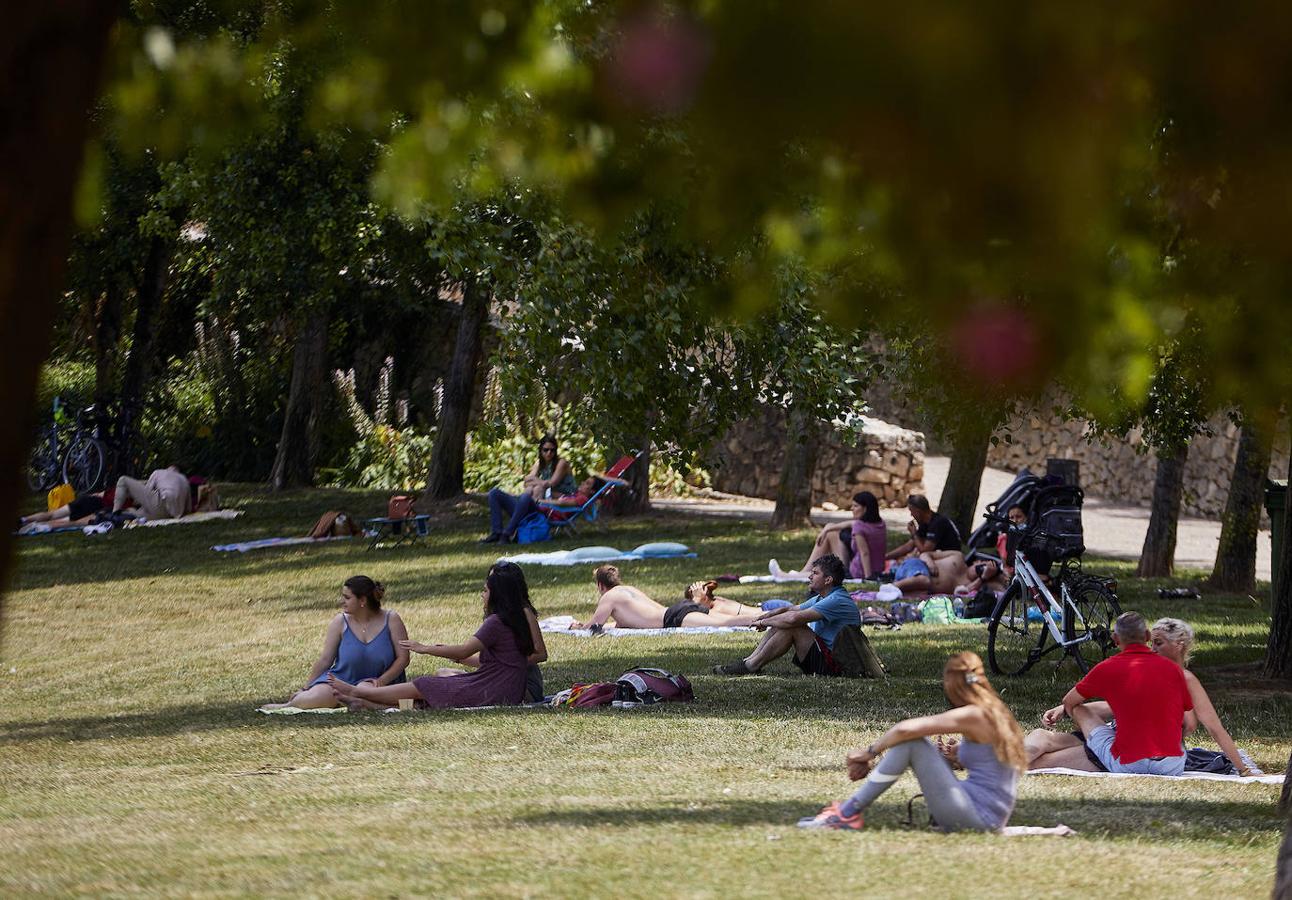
x: 132, y: 759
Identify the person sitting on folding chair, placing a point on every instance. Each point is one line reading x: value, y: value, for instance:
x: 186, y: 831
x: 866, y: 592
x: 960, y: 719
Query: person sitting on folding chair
x: 516, y: 508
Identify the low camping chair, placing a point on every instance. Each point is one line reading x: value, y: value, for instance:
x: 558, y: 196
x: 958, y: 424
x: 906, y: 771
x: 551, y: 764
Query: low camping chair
x: 566, y: 518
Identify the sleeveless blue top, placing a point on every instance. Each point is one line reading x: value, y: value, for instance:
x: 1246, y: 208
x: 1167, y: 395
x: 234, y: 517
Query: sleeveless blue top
x: 356, y: 660
x: 992, y: 786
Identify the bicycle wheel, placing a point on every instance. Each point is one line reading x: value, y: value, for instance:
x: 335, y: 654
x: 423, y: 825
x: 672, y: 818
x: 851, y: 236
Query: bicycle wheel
x: 42, y: 468
x: 1014, y: 641
x: 1098, y: 609
x: 85, y: 465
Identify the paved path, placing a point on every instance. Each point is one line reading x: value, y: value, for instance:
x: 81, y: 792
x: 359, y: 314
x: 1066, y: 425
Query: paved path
x: 1111, y: 530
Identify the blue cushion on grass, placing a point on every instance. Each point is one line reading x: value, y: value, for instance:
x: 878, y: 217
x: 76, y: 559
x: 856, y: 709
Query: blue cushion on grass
x: 662, y: 548
x: 595, y: 553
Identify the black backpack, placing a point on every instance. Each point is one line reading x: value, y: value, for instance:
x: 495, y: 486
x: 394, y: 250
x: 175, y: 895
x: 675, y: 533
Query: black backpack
x: 1054, y: 530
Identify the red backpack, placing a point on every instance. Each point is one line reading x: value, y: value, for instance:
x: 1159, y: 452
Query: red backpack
x: 598, y: 693
x: 642, y: 685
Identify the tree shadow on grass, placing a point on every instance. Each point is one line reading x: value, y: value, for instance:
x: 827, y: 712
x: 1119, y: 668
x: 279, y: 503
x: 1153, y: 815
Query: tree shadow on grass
x: 1090, y: 818
x: 166, y: 721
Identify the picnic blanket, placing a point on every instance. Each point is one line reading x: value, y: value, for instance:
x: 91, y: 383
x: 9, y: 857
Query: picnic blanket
x: 1059, y: 830
x: 782, y: 579
x: 654, y: 550
x: 1204, y: 776
x: 561, y: 625
x: 244, y: 546
x: 296, y: 710
x: 36, y: 529
x: 190, y: 519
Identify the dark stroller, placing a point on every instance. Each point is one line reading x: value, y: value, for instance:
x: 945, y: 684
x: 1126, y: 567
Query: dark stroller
x: 982, y: 542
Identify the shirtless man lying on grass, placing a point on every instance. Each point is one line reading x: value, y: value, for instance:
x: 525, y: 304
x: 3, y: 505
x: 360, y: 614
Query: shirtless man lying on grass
x: 629, y: 607
x: 935, y: 572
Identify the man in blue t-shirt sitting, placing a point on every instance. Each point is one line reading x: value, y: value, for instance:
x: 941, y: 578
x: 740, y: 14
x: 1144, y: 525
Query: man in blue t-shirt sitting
x: 808, y: 629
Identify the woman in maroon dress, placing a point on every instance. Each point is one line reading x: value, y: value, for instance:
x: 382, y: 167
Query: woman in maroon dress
x: 506, y: 644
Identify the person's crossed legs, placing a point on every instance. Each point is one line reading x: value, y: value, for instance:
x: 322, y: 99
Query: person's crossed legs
x: 779, y: 641
x: 1056, y: 750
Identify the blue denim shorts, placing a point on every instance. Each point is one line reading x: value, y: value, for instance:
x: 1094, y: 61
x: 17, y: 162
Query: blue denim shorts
x: 909, y: 568
x: 1100, y: 742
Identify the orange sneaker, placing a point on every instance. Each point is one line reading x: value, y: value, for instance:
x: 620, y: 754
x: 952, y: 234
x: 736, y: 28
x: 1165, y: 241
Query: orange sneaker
x: 832, y: 817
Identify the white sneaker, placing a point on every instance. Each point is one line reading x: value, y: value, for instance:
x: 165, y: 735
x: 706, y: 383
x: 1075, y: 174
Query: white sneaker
x: 779, y: 574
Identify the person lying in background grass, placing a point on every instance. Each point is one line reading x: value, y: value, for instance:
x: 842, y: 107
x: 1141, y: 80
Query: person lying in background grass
x: 629, y: 607
x: 362, y: 645
x: 501, y: 652
x: 992, y: 752
x: 1173, y: 639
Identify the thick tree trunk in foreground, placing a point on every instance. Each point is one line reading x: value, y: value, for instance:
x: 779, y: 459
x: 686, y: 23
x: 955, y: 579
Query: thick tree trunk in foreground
x: 1157, y: 559
x: 959, y: 501
x: 449, y: 453
x: 794, y: 494
x: 1235, y: 568
x: 298, y: 445
x: 635, y: 499
x: 1278, y: 652
x: 51, y: 61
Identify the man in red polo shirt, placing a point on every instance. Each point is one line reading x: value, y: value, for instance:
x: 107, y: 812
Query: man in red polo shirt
x: 1149, y: 699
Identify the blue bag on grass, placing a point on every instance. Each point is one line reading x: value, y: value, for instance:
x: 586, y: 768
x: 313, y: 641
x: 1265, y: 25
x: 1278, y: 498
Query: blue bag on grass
x: 533, y: 528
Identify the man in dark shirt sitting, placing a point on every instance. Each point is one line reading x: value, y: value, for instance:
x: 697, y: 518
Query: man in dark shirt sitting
x: 931, y: 560
x: 929, y: 530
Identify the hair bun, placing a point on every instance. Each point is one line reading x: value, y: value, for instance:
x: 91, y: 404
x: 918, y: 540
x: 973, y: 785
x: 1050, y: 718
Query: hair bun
x: 378, y: 591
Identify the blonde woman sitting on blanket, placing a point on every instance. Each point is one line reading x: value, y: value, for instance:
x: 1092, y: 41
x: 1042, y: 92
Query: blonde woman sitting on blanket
x: 1173, y: 639
x: 629, y: 607
x: 992, y: 753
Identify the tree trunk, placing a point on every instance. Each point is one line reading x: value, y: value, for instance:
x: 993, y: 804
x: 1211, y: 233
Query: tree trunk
x: 1283, y: 863
x: 449, y: 453
x: 959, y: 501
x: 635, y: 499
x: 141, y: 364
x: 107, y: 334
x: 1278, y: 652
x: 1157, y: 559
x: 51, y: 56
x: 298, y: 445
x: 1235, y: 568
x: 794, y: 493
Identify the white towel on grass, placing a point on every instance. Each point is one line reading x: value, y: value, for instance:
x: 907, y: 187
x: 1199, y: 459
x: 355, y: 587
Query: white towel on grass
x: 561, y: 625
x: 1201, y: 776
x: 190, y: 519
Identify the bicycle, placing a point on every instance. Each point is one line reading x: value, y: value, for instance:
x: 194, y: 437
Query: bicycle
x: 1087, y: 606
x: 95, y: 452
x: 45, y: 463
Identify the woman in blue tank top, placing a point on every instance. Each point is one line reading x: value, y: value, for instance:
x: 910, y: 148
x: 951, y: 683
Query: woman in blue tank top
x: 362, y: 645
x: 992, y: 752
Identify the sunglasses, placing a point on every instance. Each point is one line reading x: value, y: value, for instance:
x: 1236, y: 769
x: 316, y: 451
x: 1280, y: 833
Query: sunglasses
x: 546, y: 449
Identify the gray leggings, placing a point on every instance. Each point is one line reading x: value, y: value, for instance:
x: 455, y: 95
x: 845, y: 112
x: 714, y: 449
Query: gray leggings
x: 948, y: 803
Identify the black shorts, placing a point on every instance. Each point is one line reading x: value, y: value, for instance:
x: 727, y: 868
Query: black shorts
x: 674, y: 615
x: 84, y: 505
x: 819, y: 660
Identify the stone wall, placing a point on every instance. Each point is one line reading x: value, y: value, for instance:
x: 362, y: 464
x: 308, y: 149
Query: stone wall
x: 1119, y: 470
x: 887, y: 460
